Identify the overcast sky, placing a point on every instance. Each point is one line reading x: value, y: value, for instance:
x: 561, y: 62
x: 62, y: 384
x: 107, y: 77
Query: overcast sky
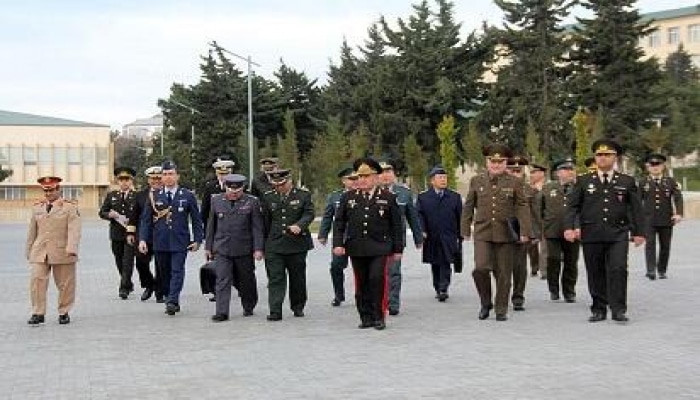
x: 108, y: 62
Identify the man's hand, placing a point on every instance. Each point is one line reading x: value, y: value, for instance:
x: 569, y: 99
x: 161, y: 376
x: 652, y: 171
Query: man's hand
x: 425, y: 235
x: 570, y: 235
x: 193, y: 247
x: 113, y: 214
x: 638, y: 240
x: 208, y: 255
x: 258, y: 255
x: 323, y: 241
x: 339, y: 251
x: 524, y: 239
x: 294, y: 229
x: 130, y: 239
x: 676, y: 219
x: 143, y: 247
x: 419, y: 246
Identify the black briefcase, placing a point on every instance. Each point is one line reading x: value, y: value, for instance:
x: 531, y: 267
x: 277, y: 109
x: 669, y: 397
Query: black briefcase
x: 459, y: 262
x: 207, y: 278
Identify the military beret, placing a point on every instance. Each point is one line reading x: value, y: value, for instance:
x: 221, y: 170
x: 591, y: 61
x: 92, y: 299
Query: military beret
x: 606, y: 146
x: 155, y: 170
x: 497, y: 151
x: 437, y: 170
x: 278, y: 176
x: 49, y: 182
x: 655, y: 158
x: 565, y: 163
x: 517, y: 162
x: 366, y: 166
x: 124, y: 172
x: 168, y: 166
x: 235, y: 181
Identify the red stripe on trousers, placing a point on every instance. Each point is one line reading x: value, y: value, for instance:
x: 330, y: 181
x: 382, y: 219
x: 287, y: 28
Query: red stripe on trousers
x: 385, y: 296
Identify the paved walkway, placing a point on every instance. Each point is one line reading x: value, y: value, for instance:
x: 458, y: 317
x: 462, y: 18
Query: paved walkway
x: 118, y: 349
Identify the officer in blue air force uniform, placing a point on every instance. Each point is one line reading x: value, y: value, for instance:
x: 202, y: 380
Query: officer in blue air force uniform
x: 235, y: 236
x: 607, y: 205
x: 172, y: 210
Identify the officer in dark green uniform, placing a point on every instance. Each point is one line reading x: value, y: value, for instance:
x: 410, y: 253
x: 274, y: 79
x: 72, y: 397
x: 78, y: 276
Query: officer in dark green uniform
x: 261, y: 183
x: 288, y: 212
x: 552, y: 204
x: 662, y: 201
x: 338, y: 263
x: 495, y: 204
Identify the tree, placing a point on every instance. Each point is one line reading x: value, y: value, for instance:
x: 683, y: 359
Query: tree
x: 611, y: 74
x: 4, y: 173
x: 131, y: 152
x: 288, y: 152
x: 532, y: 144
x: 581, y: 150
x: 473, y: 146
x: 416, y: 163
x: 330, y: 155
x: 446, y: 133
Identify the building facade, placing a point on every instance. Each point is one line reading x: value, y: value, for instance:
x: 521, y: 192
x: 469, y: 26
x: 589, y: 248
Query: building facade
x: 33, y: 146
x: 680, y: 26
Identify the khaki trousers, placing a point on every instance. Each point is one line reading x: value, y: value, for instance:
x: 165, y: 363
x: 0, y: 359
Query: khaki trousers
x: 495, y: 259
x: 63, y: 276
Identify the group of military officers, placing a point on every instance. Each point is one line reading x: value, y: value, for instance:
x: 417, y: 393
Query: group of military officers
x: 504, y: 215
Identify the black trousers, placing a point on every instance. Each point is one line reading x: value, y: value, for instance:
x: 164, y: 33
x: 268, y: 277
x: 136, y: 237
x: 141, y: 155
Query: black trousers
x: 338, y: 265
x: 235, y: 269
x: 162, y: 281
x: 606, y: 265
x: 143, y: 268
x: 664, y: 233
x: 278, y: 266
x: 441, y: 276
x: 558, y: 251
x: 124, y: 259
x: 371, y: 291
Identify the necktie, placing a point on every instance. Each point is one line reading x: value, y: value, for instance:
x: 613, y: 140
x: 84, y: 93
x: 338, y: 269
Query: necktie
x: 123, y: 196
x: 49, y: 206
x: 440, y: 193
x: 656, y: 181
x: 170, y: 197
x: 605, y: 179
x: 567, y: 188
x: 366, y: 196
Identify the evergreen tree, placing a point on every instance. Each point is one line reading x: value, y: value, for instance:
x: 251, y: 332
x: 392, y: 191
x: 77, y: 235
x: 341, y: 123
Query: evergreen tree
x: 446, y: 133
x: 416, y: 163
x: 4, y: 173
x: 473, y: 146
x: 581, y: 150
x: 288, y: 152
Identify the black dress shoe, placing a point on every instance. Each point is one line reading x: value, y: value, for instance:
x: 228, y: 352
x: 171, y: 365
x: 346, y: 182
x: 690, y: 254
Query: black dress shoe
x: 36, y: 319
x: 171, y: 308
x: 64, y: 319
x: 248, y: 313
x: 274, y: 317
x: 501, y: 317
x: 570, y: 299
x: 366, y: 324
x: 597, y: 317
x: 336, y: 303
x: 124, y: 294
x: 651, y: 276
x: 219, y: 317
x: 393, y: 312
x: 212, y: 298
x: 379, y: 325
x: 443, y: 296
x: 554, y: 296
x: 518, y: 307
x: 662, y: 275
x: 485, y: 311
x: 620, y: 317
x: 147, y: 294
x: 160, y: 299
x: 298, y: 313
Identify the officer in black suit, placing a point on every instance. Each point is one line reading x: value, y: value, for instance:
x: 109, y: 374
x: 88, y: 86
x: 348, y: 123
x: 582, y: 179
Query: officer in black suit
x: 222, y: 167
x: 662, y: 201
x: 235, y: 236
x: 608, y: 208
x: 116, y: 208
x: 368, y: 228
x: 143, y: 260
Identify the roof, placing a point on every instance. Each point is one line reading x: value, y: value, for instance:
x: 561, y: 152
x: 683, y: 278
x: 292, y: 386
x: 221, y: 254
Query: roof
x: 673, y: 13
x: 156, y: 120
x: 10, y: 118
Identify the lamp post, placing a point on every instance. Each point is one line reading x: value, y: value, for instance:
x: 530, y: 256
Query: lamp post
x: 192, y: 111
x: 250, y: 62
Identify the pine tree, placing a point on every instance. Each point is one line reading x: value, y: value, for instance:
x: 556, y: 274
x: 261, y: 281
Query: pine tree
x: 446, y: 133
x: 580, y: 123
x: 416, y: 163
x: 287, y: 149
x: 473, y: 146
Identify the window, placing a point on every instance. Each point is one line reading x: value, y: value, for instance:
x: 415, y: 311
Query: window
x: 696, y: 60
x: 674, y: 35
x: 45, y: 155
x: 12, y: 193
x: 654, y: 39
x: 74, y: 156
x: 102, y: 155
x: 29, y: 156
x: 694, y: 33
x: 71, y: 192
x: 4, y: 155
x: 59, y: 156
x: 88, y: 156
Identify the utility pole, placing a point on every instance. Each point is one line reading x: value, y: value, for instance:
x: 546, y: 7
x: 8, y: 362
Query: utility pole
x: 250, y: 63
x: 192, y: 111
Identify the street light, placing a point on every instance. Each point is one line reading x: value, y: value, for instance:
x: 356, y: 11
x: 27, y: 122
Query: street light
x: 250, y: 62
x: 193, y: 111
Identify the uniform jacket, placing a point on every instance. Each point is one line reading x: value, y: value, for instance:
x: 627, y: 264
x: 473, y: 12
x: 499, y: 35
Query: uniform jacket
x: 332, y: 203
x: 369, y: 227
x: 409, y: 215
x: 113, y: 201
x: 552, y: 202
x: 440, y: 219
x: 491, y: 202
x: 53, y: 235
x: 141, y: 201
x: 170, y: 225
x: 236, y: 229
x: 260, y: 185
x: 661, y: 201
x: 535, y: 219
x: 279, y: 213
x: 606, y: 214
x: 211, y: 187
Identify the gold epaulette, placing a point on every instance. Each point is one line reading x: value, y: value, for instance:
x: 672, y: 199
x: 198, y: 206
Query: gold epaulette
x: 130, y: 229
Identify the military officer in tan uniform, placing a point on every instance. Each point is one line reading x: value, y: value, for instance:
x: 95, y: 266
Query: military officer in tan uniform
x: 52, y: 245
x: 495, y: 205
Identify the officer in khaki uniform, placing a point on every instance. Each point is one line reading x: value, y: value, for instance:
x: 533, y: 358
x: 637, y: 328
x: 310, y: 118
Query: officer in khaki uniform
x: 287, y: 212
x: 495, y: 204
x: 52, y: 245
x: 662, y: 202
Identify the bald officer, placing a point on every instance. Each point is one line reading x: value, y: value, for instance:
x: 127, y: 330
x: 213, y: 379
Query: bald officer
x: 607, y: 206
x: 52, y: 245
x: 497, y: 208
